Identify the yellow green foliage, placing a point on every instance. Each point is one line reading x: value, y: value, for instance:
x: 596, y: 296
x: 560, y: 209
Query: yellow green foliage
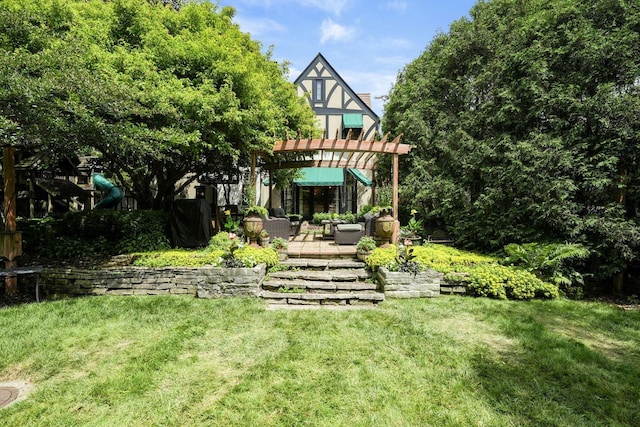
x: 178, y: 258
x: 482, y: 274
x: 252, y: 256
x: 382, y: 257
x: 502, y: 282
x: 446, y: 259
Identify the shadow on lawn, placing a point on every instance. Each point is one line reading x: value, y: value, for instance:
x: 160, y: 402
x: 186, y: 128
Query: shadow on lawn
x: 566, y: 370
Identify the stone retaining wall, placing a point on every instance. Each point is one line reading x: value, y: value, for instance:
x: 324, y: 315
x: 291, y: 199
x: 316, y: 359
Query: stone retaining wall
x: 429, y: 283
x: 203, y: 282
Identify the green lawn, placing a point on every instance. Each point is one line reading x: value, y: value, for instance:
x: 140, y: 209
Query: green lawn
x: 143, y: 361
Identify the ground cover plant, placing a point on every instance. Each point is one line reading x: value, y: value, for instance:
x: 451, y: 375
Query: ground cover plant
x: 481, y: 274
x: 224, y: 249
x: 454, y: 361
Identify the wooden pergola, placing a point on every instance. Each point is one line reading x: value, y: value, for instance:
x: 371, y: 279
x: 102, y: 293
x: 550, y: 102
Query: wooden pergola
x: 335, y: 153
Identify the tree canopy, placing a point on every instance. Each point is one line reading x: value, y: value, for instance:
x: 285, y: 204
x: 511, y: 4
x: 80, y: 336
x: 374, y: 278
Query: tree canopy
x: 157, y: 89
x: 526, y: 125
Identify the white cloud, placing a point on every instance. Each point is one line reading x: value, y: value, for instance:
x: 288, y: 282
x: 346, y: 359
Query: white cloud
x: 334, y: 31
x: 332, y: 6
x: 400, y: 6
x: 259, y: 26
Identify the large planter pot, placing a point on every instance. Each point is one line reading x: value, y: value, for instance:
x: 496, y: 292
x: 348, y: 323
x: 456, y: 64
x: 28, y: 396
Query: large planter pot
x: 252, y: 227
x: 384, y: 228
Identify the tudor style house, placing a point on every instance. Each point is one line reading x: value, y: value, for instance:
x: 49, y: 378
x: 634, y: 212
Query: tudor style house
x: 339, y: 110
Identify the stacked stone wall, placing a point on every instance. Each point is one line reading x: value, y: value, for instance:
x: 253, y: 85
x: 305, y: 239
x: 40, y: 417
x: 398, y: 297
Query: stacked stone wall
x: 203, y: 282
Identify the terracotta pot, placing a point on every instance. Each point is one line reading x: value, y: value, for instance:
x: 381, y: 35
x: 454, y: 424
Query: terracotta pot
x: 252, y: 227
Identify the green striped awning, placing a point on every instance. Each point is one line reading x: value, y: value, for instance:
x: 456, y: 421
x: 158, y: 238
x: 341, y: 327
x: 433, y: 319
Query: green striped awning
x: 350, y: 121
x: 360, y: 177
x: 320, y: 177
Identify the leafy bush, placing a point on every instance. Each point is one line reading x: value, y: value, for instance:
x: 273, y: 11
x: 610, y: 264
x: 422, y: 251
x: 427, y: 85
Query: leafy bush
x: 347, y: 217
x: 496, y: 281
x: 549, y: 261
x: 364, y: 209
x: 279, y: 243
x: 251, y: 256
x: 366, y: 244
x: 96, y: 232
x: 318, y: 217
x: 221, y: 241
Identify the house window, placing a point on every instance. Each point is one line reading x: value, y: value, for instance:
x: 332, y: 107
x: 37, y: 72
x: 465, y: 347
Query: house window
x: 318, y: 90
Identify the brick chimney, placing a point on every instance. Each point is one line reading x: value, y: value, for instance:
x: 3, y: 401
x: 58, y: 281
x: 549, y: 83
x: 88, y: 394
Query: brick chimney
x: 366, y: 98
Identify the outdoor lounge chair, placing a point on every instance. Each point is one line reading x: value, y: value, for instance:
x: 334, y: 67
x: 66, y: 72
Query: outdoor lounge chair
x: 348, y: 234
x: 277, y: 224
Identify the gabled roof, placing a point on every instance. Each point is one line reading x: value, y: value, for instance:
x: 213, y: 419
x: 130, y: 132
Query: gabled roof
x: 321, y: 59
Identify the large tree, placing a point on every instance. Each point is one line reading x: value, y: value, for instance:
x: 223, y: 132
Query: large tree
x: 526, y: 122
x: 157, y: 91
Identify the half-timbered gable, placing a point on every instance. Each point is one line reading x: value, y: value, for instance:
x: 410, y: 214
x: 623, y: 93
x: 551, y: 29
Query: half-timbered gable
x: 337, y: 107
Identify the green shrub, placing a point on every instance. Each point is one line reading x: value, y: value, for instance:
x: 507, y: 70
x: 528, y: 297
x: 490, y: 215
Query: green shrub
x: 279, y: 243
x: 496, y: 281
x: 96, y: 232
x: 318, y: 217
x: 220, y: 241
x: 549, y: 261
x: 363, y: 210
x: 366, y: 244
x: 252, y: 256
x: 347, y: 217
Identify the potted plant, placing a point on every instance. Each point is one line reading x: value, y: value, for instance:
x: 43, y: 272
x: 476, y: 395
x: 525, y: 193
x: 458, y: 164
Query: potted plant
x: 264, y: 238
x: 281, y: 245
x: 253, y: 222
x: 364, y: 247
x: 411, y: 231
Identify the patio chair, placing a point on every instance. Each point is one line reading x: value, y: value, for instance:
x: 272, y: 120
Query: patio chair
x: 348, y: 234
x: 277, y: 224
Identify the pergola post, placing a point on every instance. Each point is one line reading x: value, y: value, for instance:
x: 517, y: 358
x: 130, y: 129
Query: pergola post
x: 373, y: 187
x: 395, y: 172
x: 270, y: 188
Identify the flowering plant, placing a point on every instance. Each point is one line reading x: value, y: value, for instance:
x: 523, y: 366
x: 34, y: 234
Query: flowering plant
x: 413, y: 227
x: 230, y: 225
x: 229, y: 258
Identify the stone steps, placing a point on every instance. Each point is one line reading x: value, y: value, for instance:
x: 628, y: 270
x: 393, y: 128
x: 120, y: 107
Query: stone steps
x: 321, y: 282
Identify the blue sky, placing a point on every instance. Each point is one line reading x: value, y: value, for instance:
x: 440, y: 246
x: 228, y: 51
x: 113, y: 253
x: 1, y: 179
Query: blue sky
x: 366, y: 41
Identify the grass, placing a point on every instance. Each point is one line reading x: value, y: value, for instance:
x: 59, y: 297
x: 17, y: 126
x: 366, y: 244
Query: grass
x: 144, y: 361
